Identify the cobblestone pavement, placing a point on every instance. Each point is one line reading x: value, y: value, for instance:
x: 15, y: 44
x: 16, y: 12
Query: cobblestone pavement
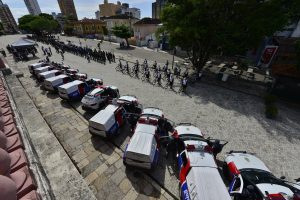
x: 99, y: 162
x: 218, y: 112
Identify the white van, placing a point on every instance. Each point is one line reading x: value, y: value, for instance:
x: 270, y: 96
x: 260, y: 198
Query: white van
x: 39, y: 70
x: 73, y: 90
x: 142, y: 150
x: 33, y: 66
x: 51, y: 84
x: 48, y: 74
x: 107, y: 122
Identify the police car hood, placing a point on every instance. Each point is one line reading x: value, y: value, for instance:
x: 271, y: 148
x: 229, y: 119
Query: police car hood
x: 274, y: 189
x: 205, y: 183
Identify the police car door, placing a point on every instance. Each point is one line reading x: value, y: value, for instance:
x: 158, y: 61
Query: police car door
x: 236, y: 186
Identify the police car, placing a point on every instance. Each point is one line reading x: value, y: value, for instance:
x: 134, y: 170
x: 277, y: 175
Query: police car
x: 199, y: 176
x: 99, y: 97
x: 252, y: 179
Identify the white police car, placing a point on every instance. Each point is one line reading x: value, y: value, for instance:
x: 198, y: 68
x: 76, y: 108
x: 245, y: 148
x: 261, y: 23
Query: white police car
x: 251, y: 179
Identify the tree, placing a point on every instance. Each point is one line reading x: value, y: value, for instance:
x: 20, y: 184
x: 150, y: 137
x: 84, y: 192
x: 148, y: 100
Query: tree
x: 38, y: 24
x: 122, y: 32
x: 24, y: 22
x: 228, y: 27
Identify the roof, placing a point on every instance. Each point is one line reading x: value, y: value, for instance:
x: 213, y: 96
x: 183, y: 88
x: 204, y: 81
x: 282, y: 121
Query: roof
x: 49, y: 72
x: 89, y: 21
x: 246, y: 161
x: 56, y: 77
x: 96, y: 90
x: 104, y: 117
x: 23, y: 43
x: 148, y: 21
x: 128, y: 98
x: 118, y: 17
x: 205, y: 183
x: 153, y: 111
x: 141, y: 141
x: 67, y: 85
x: 188, y: 129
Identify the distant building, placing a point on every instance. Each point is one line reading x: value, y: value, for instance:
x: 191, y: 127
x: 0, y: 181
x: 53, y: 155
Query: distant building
x: 67, y: 8
x: 7, y: 19
x: 118, y: 20
x: 60, y: 18
x: 33, y: 7
x: 97, y: 14
x: 134, y: 12
x: 157, y: 8
x: 144, y: 31
x: 89, y: 27
x: 109, y: 9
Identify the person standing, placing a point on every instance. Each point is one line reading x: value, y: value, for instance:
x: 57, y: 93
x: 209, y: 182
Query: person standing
x: 50, y: 51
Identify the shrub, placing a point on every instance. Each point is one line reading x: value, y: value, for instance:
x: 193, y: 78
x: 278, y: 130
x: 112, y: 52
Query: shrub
x: 270, y: 99
x: 271, y: 111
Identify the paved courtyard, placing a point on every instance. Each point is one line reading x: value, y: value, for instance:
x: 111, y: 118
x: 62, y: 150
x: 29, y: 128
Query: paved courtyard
x: 218, y: 112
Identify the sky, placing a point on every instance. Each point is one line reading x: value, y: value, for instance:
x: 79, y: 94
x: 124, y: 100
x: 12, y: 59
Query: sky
x: 84, y: 8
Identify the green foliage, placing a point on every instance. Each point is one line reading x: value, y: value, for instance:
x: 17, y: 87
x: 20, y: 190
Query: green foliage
x: 38, y: 24
x: 47, y: 16
x: 270, y: 99
x: 122, y: 32
x: 24, y: 22
x: 1, y: 26
x: 227, y: 27
x: 271, y: 111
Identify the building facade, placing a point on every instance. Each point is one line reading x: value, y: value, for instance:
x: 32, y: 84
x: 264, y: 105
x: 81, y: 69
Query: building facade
x: 67, y: 8
x: 7, y: 19
x: 157, y: 8
x: 87, y: 27
x: 33, y: 7
x: 109, y: 9
x: 144, y: 31
x: 119, y: 20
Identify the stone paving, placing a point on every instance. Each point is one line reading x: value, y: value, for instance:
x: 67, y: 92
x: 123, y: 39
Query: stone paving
x: 98, y: 161
x: 220, y: 113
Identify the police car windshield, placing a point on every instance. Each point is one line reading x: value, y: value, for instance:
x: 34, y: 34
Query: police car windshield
x: 185, y: 137
x: 259, y: 176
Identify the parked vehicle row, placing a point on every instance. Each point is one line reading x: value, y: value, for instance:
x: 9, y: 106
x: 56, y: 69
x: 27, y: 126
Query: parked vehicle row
x: 193, y: 153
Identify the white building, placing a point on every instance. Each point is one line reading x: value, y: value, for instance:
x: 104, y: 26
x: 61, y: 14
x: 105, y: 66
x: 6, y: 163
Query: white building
x: 97, y: 14
x: 33, y: 7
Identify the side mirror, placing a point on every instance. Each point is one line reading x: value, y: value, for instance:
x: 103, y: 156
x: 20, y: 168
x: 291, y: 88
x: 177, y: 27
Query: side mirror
x: 282, y: 177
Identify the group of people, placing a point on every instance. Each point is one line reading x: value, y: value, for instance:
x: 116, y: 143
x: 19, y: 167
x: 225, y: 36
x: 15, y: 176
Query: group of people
x: 22, y: 53
x: 158, y: 73
x: 86, y: 52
